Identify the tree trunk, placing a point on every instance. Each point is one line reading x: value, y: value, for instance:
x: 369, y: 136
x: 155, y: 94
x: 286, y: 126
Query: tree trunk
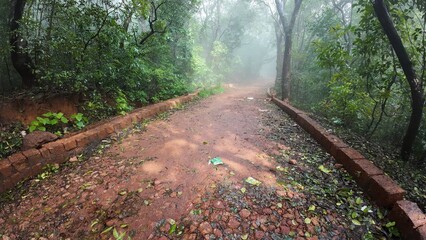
x: 416, y: 88
x: 286, y: 73
x: 288, y: 32
x: 20, y: 58
x: 279, y: 60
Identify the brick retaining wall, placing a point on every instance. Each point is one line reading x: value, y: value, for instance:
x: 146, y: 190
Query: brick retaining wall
x: 409, y: 218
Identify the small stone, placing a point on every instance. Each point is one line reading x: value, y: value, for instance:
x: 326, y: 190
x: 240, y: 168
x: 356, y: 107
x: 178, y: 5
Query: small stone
x: 267, y: 211
x: 219, y: 205
x: 73, y: 159
x: 163, y: 238
x: 192, y: 228
x: 1, y: 221
x: 217, y: 233
x: 244, y: 213
x: 285, y: 230
x: 259, y: 234
x: 189, y: 236
x: 338, y: 165
x: 205, y: 228
x: 111, y: 222
x: 173, y: 194
x: 233, y: 223
x: 36, y: 139
x: 292, y: 161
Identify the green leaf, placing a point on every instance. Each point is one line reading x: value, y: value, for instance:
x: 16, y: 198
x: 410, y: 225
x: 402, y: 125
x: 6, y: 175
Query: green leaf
x: 307, y: 220
x: 172, y: 229
x: 115, y: 233
x: 49, y: 114
x: 356, y: 222
x: 390, y: 224
x: 253, y: 181
x: 42, y: 129
x: 106, y: 230
x: 324, y: 169
x: 79, y: 117
x: 64, y: 120
x: 312, y: 208
x: 32, y: 128
x: 358, y: 201
x: 354, y: 215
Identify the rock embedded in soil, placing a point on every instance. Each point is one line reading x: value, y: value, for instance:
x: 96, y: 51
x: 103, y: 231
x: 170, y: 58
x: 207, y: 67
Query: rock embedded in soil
x: 244, y: 213
x: 205, y: 228
x: 233, y: 223
x: 259, y: 234
x: 36, y: 139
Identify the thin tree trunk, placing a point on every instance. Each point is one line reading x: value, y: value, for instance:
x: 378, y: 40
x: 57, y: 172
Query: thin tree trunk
x: 288, y: 32
x: 20, y: 58
x: 416, y: 88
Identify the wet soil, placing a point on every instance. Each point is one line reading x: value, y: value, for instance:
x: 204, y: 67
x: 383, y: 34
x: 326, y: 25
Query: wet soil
x: 154, y: 182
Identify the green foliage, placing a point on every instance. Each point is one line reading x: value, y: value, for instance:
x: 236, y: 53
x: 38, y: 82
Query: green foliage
x: 122, y: 105
x: 57, y: 122
x: 351, y: 75
x: 79, y: 120
x: 96, y: 108
x: 51, y: 122
x: 49, y: 170
x: 10, y: 139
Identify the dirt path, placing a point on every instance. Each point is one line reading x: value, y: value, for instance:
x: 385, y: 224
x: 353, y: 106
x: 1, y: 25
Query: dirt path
x: 157, y: 183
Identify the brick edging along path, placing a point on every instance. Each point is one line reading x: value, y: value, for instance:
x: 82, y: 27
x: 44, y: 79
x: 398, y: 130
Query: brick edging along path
x: 409, y: 218
x: 30, y: 163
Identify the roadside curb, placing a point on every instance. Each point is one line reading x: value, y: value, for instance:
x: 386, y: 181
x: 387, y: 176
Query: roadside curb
x: 30, y: 163
x: 409, y: 218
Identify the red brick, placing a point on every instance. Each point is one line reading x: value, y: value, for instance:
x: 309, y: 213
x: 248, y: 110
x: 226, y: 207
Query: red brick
x: 34, y: 170
x: 407, y: 216
x: 109, y: 128
x: 6, y: 185
x: 33, y: 156
x: 17, y: 177
x: 345, y: 155
x: 45, y: 155
x: 125, y: 122
x: 83, y: 140
x: 19, y: 162
x: 102, y: 132
x: 135, y: 118
x: 116, y: 125
x: 69, y: 143
x: 286, y: 108
x: 362, y: 170
x: 330, y: 141
x: 6, y: 169
x: 384, y: 191
x: 55, y: 147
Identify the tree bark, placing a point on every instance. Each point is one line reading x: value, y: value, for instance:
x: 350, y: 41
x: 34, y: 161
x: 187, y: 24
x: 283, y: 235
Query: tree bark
x: 288, y: 32
x: 20, y: 57
x: 416, y: 88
